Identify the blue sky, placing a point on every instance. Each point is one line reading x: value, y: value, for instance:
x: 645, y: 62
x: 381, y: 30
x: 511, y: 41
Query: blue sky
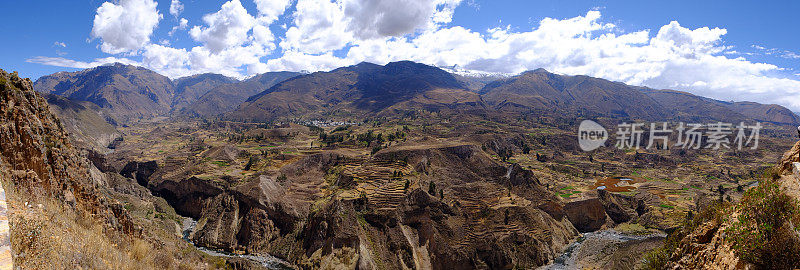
x: 730, y: 50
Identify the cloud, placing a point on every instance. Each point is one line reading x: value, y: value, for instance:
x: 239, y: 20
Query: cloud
x: 169, y: 61
x: 182, y: 24
x: 384, y: 18
x: 226, y: 28
x: 233, y: 44
x: 271, y: 9
x: 319, y: 26
x: 60, y: 44
x: 790, y: 55
x: 323, y: 25
x: 126, y: 26
x: 63, y: 62
x: 775, y: 52
x: 298, y: 61
x: 175, y: 8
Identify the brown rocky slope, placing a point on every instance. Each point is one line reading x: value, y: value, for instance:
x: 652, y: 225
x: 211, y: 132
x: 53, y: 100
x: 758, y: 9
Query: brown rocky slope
x: 461, y: 209
x: 127, y: 93
x: 359, y: 90
x: 63, y: 215
x: 85, y: 122
x: 757, y: 232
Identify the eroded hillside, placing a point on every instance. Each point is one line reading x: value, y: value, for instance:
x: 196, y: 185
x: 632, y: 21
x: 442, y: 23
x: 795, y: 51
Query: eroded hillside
x: 64, y: 213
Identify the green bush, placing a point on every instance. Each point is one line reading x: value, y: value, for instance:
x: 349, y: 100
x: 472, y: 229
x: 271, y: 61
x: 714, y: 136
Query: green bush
x: 763, y: 233
x: 658, y: 258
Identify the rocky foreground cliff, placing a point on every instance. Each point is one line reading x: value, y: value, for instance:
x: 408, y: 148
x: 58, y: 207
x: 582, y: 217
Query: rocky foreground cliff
x: 756, y: 232
x: 66, y: 214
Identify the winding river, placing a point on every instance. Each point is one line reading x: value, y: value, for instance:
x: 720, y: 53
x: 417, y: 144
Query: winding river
x: 568, y: 259
x: 268, y: 261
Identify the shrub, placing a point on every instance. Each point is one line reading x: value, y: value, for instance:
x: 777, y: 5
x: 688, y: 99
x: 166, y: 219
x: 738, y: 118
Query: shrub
x: 763, y: 233
x: 658, y: 258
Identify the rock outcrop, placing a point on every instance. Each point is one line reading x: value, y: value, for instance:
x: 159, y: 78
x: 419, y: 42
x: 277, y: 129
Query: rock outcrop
x: 709, y: 244
x: 141, y: 171
x: 586, y: 215
x: 38, y: 165
x: 469, y: 221
x: 706, y: 248
x: 791, y: 156
x: 64, y: 213
x: 601, y: 208
x: 621, y: 208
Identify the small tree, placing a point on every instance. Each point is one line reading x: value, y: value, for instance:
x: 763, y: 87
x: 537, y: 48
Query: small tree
x: 406, y: 185
x: 363, y: 197
x: 432, y: 188
x: 505, y: 154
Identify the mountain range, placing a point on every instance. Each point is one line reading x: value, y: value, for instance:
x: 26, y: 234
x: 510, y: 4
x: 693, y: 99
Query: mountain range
x: 358, y: 90
x: 127, y: 93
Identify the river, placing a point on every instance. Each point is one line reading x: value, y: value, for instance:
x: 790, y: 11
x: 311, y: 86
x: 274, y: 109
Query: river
x: 568, y: 259
x: 268, y: 261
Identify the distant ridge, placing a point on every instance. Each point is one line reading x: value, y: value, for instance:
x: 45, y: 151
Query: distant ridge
x: 361, y: 89
x: 129, y: 93
x: 226, y: 97
x: 190, y: 89
x: 570, y: 95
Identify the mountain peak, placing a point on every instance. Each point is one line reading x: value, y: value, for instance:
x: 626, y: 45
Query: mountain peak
x: 362, y: 88
x: 539, y: 71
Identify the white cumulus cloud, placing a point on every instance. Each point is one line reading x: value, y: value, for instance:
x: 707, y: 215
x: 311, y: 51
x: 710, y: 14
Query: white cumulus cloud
x: 226, y: 28
x: 324, y: 25
x: 381, y: 18
x: 271, y: 9
x: 125, y: 26
x: 175, y: 8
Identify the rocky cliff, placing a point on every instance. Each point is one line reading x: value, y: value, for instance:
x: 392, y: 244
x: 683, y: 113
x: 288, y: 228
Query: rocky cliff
x: 63, y: 212
x: 758, y: 232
